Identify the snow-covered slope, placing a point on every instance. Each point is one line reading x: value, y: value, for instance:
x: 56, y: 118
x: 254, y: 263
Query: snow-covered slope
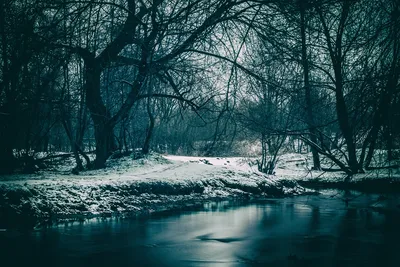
x: 129, y: 187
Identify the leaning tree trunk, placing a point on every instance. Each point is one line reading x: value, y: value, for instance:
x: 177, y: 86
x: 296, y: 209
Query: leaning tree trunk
x: 344, y: 124
x: 66, y: 122
x: 336, y: 56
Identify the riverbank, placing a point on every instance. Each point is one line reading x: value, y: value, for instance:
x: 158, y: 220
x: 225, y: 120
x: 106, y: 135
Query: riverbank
x: 128, y: 187
x: 382, y: 186
x: 379, y: 179
x: 295, y: 168
x: 131, y: 187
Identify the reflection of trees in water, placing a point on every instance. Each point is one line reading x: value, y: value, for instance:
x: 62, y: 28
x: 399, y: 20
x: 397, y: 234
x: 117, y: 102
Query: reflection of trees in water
x: 314, y: 220
x: 390, y: 250
x: 101, y: 242
x: 271, y: 245
x: 328, y: 234
x: 271, y: 216
x: 348, y: 245
x: 322, y: 232
x: 360, y: 241
x: 281, y: 231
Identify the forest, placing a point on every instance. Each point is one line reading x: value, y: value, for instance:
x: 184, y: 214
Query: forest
x: 200, y: 133
x: 200, y: 77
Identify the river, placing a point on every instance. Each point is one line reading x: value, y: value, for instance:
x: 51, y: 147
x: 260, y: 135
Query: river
x: 299, y: 231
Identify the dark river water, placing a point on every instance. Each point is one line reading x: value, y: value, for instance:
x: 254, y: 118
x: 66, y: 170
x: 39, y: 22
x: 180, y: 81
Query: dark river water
x: 298, y: 231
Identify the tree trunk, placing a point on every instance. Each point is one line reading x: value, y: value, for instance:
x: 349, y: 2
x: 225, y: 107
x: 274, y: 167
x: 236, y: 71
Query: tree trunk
x: 343, y: 119
x: 105, y: 144
x: 307, y: 89
x: 146, y: 146
x: 7, y: 159
x: 68, y: 130
x: 7, y: 138
x: 389, y: 142
x: 370, y: 154
x: 103, y: 131
x: 336, y: 56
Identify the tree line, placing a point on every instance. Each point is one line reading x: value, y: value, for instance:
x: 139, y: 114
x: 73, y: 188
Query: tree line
x: 199, y: 75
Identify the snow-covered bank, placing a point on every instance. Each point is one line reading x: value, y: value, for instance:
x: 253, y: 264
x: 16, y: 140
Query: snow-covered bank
x: 129, y: 187
x: 380, y: 179
x: 296, y: 167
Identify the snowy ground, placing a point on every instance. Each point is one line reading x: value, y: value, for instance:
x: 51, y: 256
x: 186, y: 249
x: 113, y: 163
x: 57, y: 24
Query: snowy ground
x: 292, y: 166
x: 129, y: 187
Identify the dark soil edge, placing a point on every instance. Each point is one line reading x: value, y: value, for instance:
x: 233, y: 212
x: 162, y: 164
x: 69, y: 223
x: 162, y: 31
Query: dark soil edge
x: 381, y: 186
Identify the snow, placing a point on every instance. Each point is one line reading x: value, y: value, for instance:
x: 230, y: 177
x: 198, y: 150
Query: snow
x: 128, y: 187
x: 290, y: 166
x: 295, y: 166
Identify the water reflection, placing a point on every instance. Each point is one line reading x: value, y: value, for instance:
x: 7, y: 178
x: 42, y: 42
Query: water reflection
x: 302, y: 231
